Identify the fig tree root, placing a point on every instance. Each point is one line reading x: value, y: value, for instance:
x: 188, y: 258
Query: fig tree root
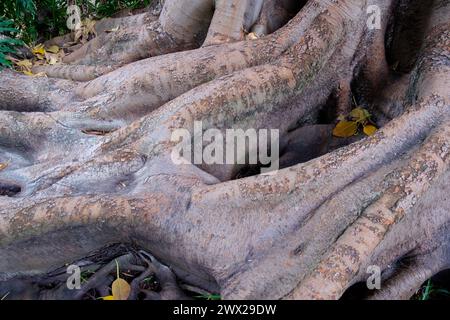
x: 89, y: 163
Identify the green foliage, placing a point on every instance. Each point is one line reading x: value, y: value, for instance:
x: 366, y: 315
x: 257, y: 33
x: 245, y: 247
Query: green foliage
x: 51, y: 17
x: 40, y: 20
x: 106, y: 8
x: 22, y: 13
x: 8, y: 42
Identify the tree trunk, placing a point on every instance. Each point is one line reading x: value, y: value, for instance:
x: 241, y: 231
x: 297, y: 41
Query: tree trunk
x: 308, y: 231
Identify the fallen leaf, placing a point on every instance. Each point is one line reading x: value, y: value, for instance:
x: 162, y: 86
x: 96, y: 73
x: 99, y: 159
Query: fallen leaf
x: 24, y: 63
x: 370, y: 130
x: 53, y: 49
x: 345, y: 129
x: 89, y: 25
x: 108, y: 298
x: 86, y: 29
x: 38, y: 50
x: 359, y: 115
x: 120, y: 289
x: 252, y: 36
x: 3, y: 166
x: 51, y: 58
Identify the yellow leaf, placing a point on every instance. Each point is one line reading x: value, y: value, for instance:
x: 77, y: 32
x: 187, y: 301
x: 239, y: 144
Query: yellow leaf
x: 24, y: 63
x: 108, y: 298
x: 52, y: 61
x: 3, y: 166
x: 51, y: 58
x: 370, y: 130
x: 345, y: 129
x: 120, y: 289
x: 359, y: 114
x: 39, y: 50
x: 53, y: 49
x: 252, y: 36
x: 28, y: 73
x: 89, y: 27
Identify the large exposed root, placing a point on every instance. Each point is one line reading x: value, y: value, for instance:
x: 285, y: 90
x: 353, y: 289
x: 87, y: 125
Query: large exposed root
x: 181, y: 26
x: 231, y: 19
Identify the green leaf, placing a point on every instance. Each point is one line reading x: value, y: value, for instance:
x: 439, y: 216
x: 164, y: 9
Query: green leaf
x: 12, y: 42
x: 4, y: 49
x: 11, y: 30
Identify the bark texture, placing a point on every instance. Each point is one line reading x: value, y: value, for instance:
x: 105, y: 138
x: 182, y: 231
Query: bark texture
x: 89, y: 148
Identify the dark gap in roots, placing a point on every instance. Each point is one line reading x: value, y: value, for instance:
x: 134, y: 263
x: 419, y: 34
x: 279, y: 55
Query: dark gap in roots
x: 248, y: 171
x: 282, y: 13
x: 294, y: 6
x: 436, y: 288
x: 308, y: 138
x: 363, y: 92
x: 9, y: 189
x: 328, y: 113
x: 405, y: 34
x: 358, y: 291
x: 312, y: 137
x: 368, y: 97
